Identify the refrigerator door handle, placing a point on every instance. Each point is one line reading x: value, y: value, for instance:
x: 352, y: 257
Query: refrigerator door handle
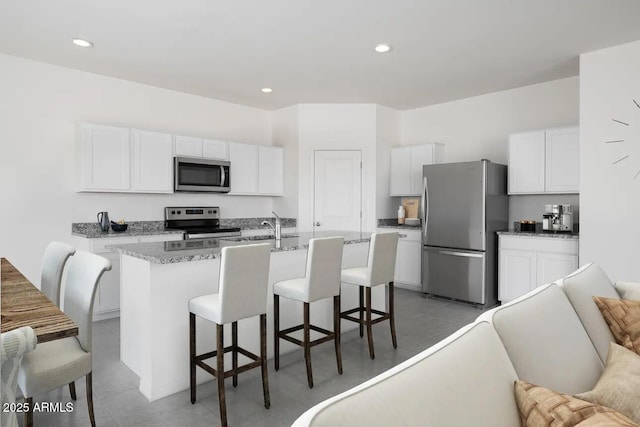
x: 424, y: 202
x: 464, y: 254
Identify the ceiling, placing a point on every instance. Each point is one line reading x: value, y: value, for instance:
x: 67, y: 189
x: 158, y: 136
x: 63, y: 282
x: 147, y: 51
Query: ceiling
x: 321, y: 51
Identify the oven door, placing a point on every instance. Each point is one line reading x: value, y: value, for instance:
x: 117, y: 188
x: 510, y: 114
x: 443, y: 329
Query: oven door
x: 202, y: 175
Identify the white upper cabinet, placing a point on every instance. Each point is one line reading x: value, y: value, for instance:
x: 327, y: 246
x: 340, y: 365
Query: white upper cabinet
x: 563, y: 160
x: 406, y: 167
x: 188, y: 146
x: 244, y: 168
x: 526, y: 162
x: 152, y: 161
x: 270, y: 170
x: 214, y: 149
x: 544, y: 161
x: 256, y: 169
x: 198, y: 147
x: 104, y: 158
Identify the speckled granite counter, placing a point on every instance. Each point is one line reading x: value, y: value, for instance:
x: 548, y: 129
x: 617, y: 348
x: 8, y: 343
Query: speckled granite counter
x: 402, y: 227
x: 91, y: 230
x: 201, y: 249
x: 552, y: 234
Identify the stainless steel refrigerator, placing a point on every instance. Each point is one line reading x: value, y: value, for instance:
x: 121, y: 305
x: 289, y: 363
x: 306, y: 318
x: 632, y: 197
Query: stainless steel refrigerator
x: 463, y: 205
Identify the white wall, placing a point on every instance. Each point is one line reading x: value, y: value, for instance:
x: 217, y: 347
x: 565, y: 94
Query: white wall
x: 285, y: 133
x: 387, y: 136
x: 609, y: 194
x: 478, y: 127
x: 39, y: 114
x: 336, y: 127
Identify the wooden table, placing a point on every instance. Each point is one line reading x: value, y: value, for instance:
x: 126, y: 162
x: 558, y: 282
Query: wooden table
x: 22, y: 304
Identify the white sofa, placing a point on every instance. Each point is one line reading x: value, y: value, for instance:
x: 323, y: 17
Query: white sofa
x: 554, y: 336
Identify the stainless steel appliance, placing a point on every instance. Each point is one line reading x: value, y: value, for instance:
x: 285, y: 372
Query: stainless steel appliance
x: 193, y: 174
x: 463, y: 205
x: 557, y: 218
x: 197, y: 222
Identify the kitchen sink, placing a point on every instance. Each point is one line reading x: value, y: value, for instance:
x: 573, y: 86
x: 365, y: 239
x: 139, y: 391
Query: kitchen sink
x: 257, y: 238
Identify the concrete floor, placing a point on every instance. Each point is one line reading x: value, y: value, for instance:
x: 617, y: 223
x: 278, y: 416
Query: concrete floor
x: 420, y: 323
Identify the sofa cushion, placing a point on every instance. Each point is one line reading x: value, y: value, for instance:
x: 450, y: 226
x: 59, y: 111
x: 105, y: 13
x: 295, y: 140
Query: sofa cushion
x: 546, y: 342
x: 464, y: 380
x: 581, y: 286
x: 628, y: 290
x: 541, y: 407
x: 623, y: 318
x: 619, y: 386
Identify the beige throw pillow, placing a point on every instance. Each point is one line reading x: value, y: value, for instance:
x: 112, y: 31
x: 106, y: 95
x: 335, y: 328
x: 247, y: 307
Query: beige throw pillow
x: 541, y: 407
x: 623, y: 318
x: 619, y: 386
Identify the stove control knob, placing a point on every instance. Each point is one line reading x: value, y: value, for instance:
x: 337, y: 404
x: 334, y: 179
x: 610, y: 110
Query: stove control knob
x: 210, y: 211
x: 173, y: 212
x: 179, y: 212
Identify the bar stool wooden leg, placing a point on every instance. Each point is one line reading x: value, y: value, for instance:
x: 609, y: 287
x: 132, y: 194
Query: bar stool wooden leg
x: 361, y: 290
x: 192, y: 356
x: 307, y: 344
x: 27, y: 418
x: 220, y: 374
x: 234, y: 345
x: 263, y: 358
x: 336, y: 331
x: 392, y: 319
x: 368, y: 322
x: 276, y: 332
x: 72, y: 390
x: 89, y: 386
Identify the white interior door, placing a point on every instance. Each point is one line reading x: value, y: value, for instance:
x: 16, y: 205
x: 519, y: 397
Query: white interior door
x: 337, y: 190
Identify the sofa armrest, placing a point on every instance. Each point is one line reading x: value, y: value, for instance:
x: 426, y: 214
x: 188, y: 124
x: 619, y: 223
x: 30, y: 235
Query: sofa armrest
x: 628, y: 290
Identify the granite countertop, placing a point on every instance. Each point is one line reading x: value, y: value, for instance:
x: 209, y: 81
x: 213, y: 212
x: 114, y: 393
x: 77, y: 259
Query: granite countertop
x: 402, y: 227
x: 91, y: 230
x: 552, y: 234
x: 162, y: 252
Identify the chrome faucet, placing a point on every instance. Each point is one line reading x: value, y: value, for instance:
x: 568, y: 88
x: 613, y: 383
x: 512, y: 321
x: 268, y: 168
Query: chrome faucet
x: 277, y: 229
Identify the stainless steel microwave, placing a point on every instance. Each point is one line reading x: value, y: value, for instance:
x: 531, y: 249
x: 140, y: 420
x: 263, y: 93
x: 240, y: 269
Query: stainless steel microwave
x: 194, y: 174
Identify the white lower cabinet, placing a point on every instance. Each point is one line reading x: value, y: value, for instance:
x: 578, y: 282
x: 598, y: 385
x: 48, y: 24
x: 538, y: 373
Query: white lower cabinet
x: 408, y: 272
x: 107, y: 301
x: 528, y: 262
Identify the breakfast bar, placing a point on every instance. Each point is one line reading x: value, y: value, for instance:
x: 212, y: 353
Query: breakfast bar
x: 159, y: 278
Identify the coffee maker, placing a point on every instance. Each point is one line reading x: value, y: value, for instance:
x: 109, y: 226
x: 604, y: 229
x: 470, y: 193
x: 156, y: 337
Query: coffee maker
x: 557, y: 218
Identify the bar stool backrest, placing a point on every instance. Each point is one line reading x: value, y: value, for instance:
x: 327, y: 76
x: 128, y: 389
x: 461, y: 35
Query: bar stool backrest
x: 84, y: 271
x: 381, y: 264
x: 324, y: 265
x: 53, y: 262
x: 244, y: 280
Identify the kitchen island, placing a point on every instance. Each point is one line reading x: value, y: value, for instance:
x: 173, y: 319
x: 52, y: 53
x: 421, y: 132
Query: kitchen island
x: 158, y: 279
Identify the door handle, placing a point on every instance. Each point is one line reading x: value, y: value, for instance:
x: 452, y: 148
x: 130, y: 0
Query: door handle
x: 317, y: 224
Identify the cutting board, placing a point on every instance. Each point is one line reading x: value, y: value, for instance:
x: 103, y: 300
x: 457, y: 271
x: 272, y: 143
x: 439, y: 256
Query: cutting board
x: 411, y: 207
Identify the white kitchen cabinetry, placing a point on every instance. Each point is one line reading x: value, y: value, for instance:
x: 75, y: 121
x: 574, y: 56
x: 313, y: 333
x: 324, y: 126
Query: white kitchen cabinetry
x: 152, y: 162
x: 270, y: 170
x: 256, y: 170
x: 104, y: 158
x: 107, y: 301
x: 526, y: 262
x: 406, y: 167
x: 408, y: 273
x: 198, y: 147
x: 115, y: 159
x: 545, y: 161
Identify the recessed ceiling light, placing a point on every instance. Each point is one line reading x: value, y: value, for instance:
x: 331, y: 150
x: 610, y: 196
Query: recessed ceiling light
x: 267, y: 90
x: 82, y: 43
x: 383, y: 48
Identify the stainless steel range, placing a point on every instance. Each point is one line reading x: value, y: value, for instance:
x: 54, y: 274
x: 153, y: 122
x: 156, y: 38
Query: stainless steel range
x: 197, y: 222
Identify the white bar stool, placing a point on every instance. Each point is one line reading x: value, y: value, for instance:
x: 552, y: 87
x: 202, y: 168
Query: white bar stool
x: 380, y: 269
x: 321, y: 280
x: 242, y: 293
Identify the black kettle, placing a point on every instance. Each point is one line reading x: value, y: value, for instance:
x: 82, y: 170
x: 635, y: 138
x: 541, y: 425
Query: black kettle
x: 103, y: 220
